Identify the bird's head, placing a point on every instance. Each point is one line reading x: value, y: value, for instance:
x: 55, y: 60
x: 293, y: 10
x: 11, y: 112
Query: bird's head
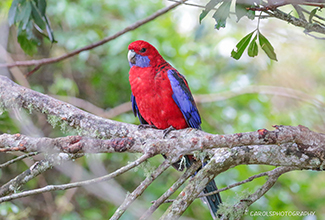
x: 141, y: 53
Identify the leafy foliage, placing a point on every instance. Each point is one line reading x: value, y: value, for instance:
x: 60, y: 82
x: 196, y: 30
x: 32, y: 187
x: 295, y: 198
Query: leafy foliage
x: 27, y: 14
x: 241, y: 46
x: 241, y: 10
x: 253, y: 49
x: 247, y: 9
x: 222, y: 12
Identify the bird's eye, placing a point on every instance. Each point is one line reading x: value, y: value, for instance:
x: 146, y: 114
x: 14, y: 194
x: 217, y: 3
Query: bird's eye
x: 143, y: 50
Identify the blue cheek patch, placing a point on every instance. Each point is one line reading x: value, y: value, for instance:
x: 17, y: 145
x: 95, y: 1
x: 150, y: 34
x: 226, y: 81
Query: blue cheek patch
x: 140, y: 61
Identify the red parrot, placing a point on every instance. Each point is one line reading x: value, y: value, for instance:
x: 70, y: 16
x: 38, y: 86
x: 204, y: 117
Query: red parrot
x: 161, y: 98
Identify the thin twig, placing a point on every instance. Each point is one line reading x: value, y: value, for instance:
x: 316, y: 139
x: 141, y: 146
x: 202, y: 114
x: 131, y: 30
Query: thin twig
x: 191, y: 4
x: 17, y: 159
x: 140, y: 189
x: 275, y: 5
x: 50, y: 188
x: 36, y: 169
x: 194, y: 167
x: 268, y: 173
x: 12, y: 149
x: 273, y: 175
x: 33, y: 70
x: 137, y: 24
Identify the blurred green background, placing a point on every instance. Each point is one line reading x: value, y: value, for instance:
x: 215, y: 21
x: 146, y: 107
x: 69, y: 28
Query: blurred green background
x: 202, y: 54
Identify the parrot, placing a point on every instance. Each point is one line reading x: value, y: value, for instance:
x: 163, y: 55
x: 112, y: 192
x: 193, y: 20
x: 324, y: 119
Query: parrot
x: 161, y: 98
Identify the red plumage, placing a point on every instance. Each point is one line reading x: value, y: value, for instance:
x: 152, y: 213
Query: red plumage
x: 152, y: 89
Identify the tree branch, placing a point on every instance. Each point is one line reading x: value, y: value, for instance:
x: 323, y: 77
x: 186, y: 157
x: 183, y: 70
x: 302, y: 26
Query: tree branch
x: 304, y: 141
x: 70, y: 144
x: 50, y: 188
x: 224, y: 159
x: 38, y: 168
x: 309, y: 27
x: 41, y: 62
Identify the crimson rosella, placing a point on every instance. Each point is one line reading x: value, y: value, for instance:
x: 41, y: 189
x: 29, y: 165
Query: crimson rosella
x: 161, y: 98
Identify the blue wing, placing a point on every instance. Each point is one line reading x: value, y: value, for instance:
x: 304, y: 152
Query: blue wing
x: 136, y: 111
x: 184, y: 99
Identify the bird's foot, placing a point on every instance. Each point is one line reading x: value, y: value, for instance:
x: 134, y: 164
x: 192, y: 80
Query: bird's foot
x: 145, y: 126
x: 167, y: 130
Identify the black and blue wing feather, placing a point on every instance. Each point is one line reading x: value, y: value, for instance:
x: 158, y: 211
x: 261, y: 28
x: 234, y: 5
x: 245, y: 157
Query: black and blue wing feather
x: 184, y: 99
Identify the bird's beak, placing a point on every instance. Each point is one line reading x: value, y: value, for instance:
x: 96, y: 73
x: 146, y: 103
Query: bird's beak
x: 131, y: 56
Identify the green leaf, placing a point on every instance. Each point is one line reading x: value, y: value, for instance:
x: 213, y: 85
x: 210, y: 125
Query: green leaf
x: 222, y: 14
x: 37, y: 16
x: 41, y: 6
x: 12, y: 12
x: 29, y: 46
x: 241, y: 46
x: 253, y: 48
x: 267, y: 47
x: 241, y: 11
x: 30, y: 34
x: 41, y: 20
x: 251, y: 14
x: 26, y: 38
x: 312, y: 14
x: 211, y: 4
x: 26, y: 11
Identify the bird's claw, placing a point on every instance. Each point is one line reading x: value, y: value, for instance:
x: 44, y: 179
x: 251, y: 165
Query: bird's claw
x: 167, y: 130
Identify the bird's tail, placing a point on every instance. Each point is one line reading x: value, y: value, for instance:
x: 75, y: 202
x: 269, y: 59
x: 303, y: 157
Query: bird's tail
x: 213, y: 201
